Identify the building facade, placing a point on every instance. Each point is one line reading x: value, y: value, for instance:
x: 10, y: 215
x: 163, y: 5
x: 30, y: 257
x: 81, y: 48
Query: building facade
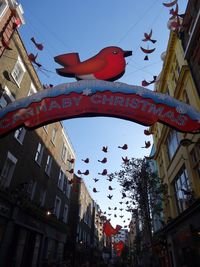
x: 34, y: 185
x: 177, y: 155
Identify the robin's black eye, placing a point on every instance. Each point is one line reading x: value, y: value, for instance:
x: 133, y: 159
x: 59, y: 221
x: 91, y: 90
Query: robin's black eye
x: 115, y: 52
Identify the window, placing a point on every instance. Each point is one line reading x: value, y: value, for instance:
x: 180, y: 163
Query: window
x: 32, y: 90
x: 5, y: 97
x: 31, y: 189
x: 195, y: 156
x: 3, y: 7
x: 53, y: 137
x: 39, y: 153
x: 42, y: 197
x: 61, y: 180
x: 64, y: 152
x: 182, y: 190
x: 18, y: 71
x: 8, y: 170
x: 68, y: 189
x: 20, y: 134
x: 57, y: 206
x: 172, y: 143
x: 65, y: 213
x: 45, y: 128
x: 48, y: 165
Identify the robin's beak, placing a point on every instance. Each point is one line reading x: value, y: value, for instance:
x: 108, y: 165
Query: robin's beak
x: 127, y: 53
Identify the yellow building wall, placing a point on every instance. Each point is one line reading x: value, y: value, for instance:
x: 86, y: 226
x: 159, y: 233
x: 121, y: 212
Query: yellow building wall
x: 176, y: 80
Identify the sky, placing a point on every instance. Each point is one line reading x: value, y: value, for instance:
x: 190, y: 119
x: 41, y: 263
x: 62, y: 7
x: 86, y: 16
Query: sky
x: 86, y: 27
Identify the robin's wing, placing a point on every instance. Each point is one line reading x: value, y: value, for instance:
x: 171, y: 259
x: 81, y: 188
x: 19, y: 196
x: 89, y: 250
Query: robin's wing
x: 89, y: 66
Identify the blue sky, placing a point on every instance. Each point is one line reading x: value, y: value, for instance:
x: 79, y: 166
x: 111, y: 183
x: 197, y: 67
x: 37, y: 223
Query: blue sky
x: 86, y: 27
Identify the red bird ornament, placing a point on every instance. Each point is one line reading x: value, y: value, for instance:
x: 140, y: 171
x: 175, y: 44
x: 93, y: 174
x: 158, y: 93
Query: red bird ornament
x: 71, y: 160
x: 124, y: 147
x: 86, y: 160
x: 109, y: 65
x: 145, y: 83
x: 85, y: 173
x: 96, y: 180
x: 94, y: 190
x: 170, y: 4
x: 39, y: 46
x: 110, y: 188
x: 104, y: 172
x: 104, y: 160
x: 105, y: 149
x: 147, y: 144
x: 125, y: 160
x: 147, y: 51
x: 148, y: 37
x: 71, y: 171
x: 32, y: 58
x: 110, y: 196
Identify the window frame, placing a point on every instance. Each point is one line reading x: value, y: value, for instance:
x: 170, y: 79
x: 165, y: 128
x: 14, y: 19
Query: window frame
x: 39, y: 154
x: 20, y: 134
x: 18, y: 71
x: 57, y: 211
x: 48, y: 165
x: 7, y: 175
x: 172, y: 143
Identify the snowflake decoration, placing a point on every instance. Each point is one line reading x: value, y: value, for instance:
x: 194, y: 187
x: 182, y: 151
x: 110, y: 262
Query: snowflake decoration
x: 181, y: 109
x: 87, y: 91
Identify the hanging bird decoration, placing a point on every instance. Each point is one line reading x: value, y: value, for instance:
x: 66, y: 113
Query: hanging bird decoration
x: 170, y: 4
x: 145, y: 83
x: 104, y: 160
x: 71, y: 160
x: 16, y: 23
x: 104, y: 172
x: 125, y: 160
x: 115, y: 208
x: 121, y: 216
x: 127, y: 202
x: 115, y: 215
x: 99, y: 67
x: 86, y: 160
x: 148, y: 37
x: 110, y: 188
x: 124, y: 147
x: 96, y: 180
x: 109, y: 214
x: 104, y: 212
x: 174, y: 12
x: 39, y: 46
x: 110, y: 196
x: 121, y: 209
x: 70, y: 171
x: 105, y: 149
x: 147, y: 144
x: 148, y: 132
x: 123, y: 195
x: 121, y: 202
x: 109, y: 208
x: 94, y: 190
x: 147, y: 51
x: 85, y: 173
x: 32, y: 58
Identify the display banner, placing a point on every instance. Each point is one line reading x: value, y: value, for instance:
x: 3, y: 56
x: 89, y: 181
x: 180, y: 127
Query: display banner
x: 89, y: 98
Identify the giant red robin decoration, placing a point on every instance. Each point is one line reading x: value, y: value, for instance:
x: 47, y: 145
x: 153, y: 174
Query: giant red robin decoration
x: 108, y: 65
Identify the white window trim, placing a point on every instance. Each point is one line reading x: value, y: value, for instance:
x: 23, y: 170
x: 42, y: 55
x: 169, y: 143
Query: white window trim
x: 32, y: 90
x: 65, y: 213
x: 3, y: 8
x: 39, y: 159
x: 18, y: 62
x: 6, y: 180
x: 20, y: 138
x: 62, y: 176
x: 57, y: 213
x: 48, y: 165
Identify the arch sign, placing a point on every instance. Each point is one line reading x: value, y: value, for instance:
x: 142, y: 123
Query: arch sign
x: 87, y: 98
